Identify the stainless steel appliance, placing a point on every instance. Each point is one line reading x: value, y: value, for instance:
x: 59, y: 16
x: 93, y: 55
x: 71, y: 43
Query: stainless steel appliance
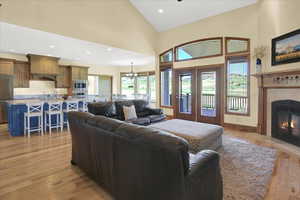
x: 80, y: 88
x: 6, y: 93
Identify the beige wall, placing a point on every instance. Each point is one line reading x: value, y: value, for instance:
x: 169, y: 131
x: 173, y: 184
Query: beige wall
x: 260, y: 22
x: 238, y: 23
x: 110, y: 22
x: 277, y: 17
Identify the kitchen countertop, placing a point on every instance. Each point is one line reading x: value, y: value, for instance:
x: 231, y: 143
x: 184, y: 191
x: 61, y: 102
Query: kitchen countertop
x: 25, y: 101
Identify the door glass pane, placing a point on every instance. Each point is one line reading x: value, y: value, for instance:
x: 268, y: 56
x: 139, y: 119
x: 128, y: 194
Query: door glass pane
x: 208, y: 94
x: 93, y: 85
x: 152, y: 85
x: 105, y: 87
x: 185, y: 93
x: 166, y: 87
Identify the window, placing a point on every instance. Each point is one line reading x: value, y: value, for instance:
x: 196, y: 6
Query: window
x: 93, y: 85
x: 199, y: 49
x: 237, y: 45
x: 127, y: 86
x: 141, y: 86
x: 238, y: 84
x: 166, y: 57
x: 166, y: 87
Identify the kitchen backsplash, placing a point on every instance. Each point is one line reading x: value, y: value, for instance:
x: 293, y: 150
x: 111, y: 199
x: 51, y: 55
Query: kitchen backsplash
x: 37, y: 88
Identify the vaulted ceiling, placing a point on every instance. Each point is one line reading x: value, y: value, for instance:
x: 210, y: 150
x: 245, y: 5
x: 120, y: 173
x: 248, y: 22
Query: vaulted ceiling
x: 167, y: 14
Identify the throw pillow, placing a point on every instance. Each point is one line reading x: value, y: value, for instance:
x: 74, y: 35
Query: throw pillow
x: 129, y: 112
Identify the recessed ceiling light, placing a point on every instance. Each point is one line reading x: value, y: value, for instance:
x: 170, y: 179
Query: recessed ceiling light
x: 52, y: 46
x: 88, y: 52
x: 160, y: 11
x: 109, y: 49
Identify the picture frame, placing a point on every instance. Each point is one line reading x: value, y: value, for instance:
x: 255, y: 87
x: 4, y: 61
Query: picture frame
x: 286, y: 48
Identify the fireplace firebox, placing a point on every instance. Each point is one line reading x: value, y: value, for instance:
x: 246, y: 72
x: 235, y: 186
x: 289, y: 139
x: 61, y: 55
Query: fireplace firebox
x: 286, y: 121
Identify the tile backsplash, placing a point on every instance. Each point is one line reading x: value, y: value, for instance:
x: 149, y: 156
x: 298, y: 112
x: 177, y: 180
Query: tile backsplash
x: 40, y: 88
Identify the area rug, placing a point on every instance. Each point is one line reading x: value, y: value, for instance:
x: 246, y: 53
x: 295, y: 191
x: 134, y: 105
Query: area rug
x: 246, y: 169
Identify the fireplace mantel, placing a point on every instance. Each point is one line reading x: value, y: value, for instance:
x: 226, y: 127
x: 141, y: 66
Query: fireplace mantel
x: 273, y: 80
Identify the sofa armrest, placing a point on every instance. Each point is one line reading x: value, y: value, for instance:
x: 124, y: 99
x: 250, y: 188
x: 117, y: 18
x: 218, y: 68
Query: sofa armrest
x: 154, y: 111
x: 204, y: 173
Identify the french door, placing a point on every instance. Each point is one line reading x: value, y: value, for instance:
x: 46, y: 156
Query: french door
x: 185, y: 88
x: 209, y: 96
x: 198, y: 94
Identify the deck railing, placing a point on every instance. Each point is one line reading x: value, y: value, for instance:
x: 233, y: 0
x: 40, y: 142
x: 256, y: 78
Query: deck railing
x: 237, y: 104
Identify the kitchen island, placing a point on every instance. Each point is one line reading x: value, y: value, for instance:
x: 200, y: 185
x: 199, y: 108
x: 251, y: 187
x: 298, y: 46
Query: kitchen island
x: 17, y: 108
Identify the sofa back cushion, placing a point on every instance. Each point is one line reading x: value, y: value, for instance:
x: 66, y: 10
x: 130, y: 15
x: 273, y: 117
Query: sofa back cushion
x: 102, y: 108
x: 140, y: 105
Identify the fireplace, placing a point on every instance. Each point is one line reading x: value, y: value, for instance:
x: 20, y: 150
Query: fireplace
x: 286, y: 121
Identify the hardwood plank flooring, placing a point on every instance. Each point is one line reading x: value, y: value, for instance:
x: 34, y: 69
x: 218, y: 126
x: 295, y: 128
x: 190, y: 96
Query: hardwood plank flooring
x: 39, y: 168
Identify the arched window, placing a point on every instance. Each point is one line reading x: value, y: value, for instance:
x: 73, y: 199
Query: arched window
x: 203, y: 48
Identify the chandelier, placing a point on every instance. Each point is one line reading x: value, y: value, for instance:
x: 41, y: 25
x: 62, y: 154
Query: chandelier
x: 131, y: 74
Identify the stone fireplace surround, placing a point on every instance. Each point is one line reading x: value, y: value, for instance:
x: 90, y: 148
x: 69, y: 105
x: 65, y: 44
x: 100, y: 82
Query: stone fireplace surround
x: 275, y: 86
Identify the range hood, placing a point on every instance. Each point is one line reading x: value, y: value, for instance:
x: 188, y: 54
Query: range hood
x: 43, y: 67
x: 43, y: 77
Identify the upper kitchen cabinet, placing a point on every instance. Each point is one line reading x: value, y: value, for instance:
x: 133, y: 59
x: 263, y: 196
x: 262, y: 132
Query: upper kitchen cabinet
x: 22, y: 74
x: 6, y: 66
x: 79, y: 73
x: 63, y: 79
x: 43, y: 65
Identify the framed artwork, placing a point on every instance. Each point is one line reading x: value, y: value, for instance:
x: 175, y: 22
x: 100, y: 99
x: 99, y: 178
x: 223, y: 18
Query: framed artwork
x: 286, y: 48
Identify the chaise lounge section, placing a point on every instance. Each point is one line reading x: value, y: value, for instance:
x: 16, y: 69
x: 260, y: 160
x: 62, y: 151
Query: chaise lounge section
x: 140, y: 163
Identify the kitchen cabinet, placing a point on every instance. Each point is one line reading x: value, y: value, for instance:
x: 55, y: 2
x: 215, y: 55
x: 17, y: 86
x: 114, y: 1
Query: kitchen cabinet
x: 21, y: 74
x: 63, y: 79
x: 7, y: 66
x: 79, y: 73
x: 43, y: 65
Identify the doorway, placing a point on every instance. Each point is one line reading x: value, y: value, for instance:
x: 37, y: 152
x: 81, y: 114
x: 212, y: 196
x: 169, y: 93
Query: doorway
x: 185, y: 82
x: 209, y: 96
x: 198, y: 94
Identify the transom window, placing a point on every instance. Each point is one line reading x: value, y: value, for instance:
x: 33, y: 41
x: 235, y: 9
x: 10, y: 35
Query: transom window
x: 199, y: 49
x: 237, y: 45
x: 166, y: 57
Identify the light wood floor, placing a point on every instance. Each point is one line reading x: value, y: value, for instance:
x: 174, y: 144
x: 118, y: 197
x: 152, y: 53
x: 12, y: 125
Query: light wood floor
x: 39, y: 169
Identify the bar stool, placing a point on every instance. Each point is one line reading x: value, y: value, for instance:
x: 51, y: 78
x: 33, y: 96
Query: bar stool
x: 84, y: 107
x: 55, y: 110
x: 34, y: 110
x: 71, y: 105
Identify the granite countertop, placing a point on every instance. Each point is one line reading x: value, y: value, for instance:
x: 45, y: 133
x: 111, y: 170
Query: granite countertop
x: 25, y: 101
